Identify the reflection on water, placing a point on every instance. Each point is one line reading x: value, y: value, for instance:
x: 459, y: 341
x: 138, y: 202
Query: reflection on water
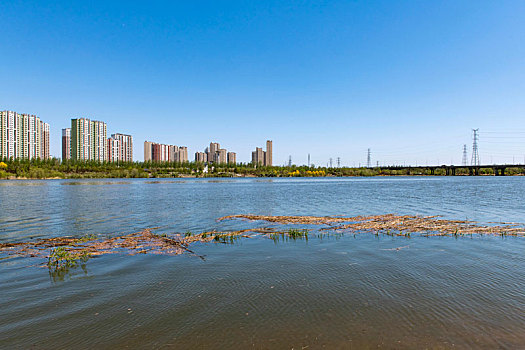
x: 94, y: 183
x: 61, y: 273
x: 340, y: 291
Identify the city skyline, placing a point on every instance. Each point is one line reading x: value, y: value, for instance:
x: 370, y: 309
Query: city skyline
x: 119, y: 147
x: 407, y: 80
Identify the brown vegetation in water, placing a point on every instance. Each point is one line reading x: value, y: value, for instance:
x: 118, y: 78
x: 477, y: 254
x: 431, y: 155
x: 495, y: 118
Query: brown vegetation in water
x: 304, y: 220
x: 392, y: 224
x: 67, y: 251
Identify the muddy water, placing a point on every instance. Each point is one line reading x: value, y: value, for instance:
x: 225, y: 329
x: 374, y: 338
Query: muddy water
x: 338, y: 292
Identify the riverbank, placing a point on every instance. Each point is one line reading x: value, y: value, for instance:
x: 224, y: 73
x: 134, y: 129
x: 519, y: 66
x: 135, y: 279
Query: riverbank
x: 56, y: 169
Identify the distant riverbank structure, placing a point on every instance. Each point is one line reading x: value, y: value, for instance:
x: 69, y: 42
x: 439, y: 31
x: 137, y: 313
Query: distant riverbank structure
x: 87, y: 140
x: 23, y: 136
x: 263, y: 157
x: 158, y: 152
x: 215, y: 154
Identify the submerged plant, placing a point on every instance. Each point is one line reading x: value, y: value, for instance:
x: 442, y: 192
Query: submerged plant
x: 60, y: 257
x: 294, y: 233
x: 87, y: 238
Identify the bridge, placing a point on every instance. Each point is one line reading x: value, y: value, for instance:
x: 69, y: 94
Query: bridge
x: 450, y: 170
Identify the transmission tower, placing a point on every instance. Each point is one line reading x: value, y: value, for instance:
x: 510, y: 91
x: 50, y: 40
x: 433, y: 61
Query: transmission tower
x: 290, y: 161
x: 368, y: 159
x: 475, y: 154
x: 308, y: 159
x: 464, y: 162
x: 338, y: 162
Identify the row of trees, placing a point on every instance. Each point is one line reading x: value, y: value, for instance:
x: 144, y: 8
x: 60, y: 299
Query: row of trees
x: 55, y: 168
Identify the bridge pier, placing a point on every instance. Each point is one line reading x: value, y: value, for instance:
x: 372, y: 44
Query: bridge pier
x: 499, y: 171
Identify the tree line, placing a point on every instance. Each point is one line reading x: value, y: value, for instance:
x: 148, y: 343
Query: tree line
x: 73, y: 169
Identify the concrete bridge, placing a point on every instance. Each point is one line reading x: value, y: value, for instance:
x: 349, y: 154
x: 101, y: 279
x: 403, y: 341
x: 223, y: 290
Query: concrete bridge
x: 450, y: 170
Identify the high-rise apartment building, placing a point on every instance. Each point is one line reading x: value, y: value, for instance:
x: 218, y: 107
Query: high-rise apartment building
x: 120, y: 148
x: 221, y: 156
x: 148, y: 151
x: 113, y: 149
x: 263, y: 157
x: 66, y: 144
x: 44, y: 140
x: 212, y: 152
x: 258, y: 156
x: 201, y: 157
x: 173, y: 153
x: 268, y: 158
x: 23, y: 136
x: 88, y: 140
x: 232, y: 158
x: 100, y: 141
x: 157, y: 152
x: 183, y: 154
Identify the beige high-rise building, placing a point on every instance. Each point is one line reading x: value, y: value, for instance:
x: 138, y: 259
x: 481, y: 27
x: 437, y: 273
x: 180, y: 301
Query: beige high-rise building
x: 212, y: 152
x: 222, y: 156
x: 258, y: 156
x: 232, y: 158
x: 89, y: 140
x: 183, y: 154
x: 148, y: 151
x: 268, y: 159
x: 23, y: 136
x: 201, y: 157
x: 173, y: 153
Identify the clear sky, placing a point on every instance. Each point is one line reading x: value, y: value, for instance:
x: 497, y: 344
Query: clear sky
x: 408, y: 79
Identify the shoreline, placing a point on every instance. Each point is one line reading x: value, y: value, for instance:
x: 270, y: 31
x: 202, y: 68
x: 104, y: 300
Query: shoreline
x: 186, y: 176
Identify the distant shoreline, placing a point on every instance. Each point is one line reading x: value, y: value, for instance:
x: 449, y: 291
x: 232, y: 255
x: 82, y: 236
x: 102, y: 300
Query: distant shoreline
x: 54, y: 169
x: 234, y: 177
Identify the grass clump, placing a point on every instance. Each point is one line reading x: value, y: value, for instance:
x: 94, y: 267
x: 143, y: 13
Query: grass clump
x: 60, y: 257
x: 87, y: 238
x: 294, y: 233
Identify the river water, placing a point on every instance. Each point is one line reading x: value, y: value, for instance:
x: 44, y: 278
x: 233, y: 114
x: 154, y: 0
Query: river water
x: 336, y: 292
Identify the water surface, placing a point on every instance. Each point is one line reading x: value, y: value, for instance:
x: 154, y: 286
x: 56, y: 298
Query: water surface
x: 339, y: 292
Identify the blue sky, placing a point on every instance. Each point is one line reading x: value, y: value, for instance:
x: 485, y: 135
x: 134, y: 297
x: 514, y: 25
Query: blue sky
x: 408, y: 79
